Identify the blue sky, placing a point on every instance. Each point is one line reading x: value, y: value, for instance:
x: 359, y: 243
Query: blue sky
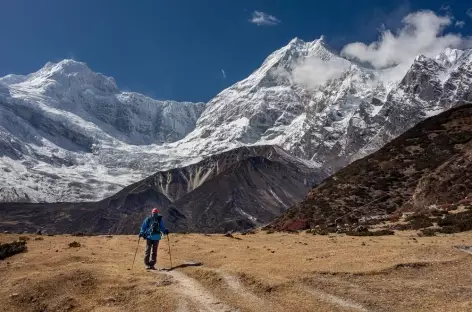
x: 178, y: 49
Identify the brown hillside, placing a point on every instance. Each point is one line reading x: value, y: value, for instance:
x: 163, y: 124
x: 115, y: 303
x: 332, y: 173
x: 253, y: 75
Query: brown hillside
x: 429, y: 164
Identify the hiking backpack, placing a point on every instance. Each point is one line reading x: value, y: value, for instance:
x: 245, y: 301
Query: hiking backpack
x: 155, y: 225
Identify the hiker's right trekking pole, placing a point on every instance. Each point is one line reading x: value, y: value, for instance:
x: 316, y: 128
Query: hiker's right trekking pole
x: 170, y: 253
x: 135, y: 253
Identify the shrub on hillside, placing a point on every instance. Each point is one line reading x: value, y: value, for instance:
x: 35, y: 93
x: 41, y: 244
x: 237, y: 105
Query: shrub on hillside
x: 449, y: 229
x: 417, y: 222
x: 318, y: 231
x: 10, y: 249
x: 368, y: 233
x: 460, y: 221
x: 427, y: 232
x: 74, y: 244
x: 438, y: 213
x: 23, y: 238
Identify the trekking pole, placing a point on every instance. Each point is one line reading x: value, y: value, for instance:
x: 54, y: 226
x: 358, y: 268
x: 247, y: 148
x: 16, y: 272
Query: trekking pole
x: 170, y: 253
x: 135, y: 253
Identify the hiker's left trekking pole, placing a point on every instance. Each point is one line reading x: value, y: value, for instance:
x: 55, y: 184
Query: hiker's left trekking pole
x: 170, y: 253
x: 135, y: 253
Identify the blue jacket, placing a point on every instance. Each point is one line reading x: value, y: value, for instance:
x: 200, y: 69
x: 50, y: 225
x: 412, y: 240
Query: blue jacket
x: 146, y: 228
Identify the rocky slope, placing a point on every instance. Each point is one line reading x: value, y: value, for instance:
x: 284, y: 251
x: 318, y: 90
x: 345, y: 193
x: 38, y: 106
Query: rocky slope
x: 427, y: 167
x: 234, y: 190
x: 69, y: 134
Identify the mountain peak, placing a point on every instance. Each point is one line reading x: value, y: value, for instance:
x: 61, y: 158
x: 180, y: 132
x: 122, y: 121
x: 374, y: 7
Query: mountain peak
x: 66, y: 66
x: 298, y: 48
x: 296, y: 41
x: 449, y: 56
x: 74, y: 72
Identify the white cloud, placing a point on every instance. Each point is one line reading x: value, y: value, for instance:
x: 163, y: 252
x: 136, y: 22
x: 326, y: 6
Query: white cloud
x: 446, y: 8
x: 460, y: 24
x: 314, y: 72
x: 469, y: 12
x: 421, y: 34
x: 223, y: 73
x: 263, y: 19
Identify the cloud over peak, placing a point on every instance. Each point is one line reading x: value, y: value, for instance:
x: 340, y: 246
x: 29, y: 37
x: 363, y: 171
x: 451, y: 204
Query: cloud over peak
x: 422, y: 34
x: 263, y: 19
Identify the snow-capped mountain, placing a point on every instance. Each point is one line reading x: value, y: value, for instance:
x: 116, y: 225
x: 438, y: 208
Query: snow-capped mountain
x: 351, y: 114
x: 53, y: 123
x: 69, y: 134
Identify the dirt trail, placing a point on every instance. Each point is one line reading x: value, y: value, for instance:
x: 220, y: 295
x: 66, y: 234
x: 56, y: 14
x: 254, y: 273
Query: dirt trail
x: 336, y: 300
x: 467, y: 249
x: 235, y: 285
x: 196, y: 293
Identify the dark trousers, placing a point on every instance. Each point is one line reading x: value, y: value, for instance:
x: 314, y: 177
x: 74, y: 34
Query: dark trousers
x: 151, y: 252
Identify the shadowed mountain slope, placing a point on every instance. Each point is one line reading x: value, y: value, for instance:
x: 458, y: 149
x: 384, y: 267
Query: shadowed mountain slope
x: 429, y: 165
x: 235, y: 190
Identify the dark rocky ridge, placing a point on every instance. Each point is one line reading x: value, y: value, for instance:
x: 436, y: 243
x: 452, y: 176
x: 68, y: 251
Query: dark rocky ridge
x: 429, y: 164
x: 234, y: 190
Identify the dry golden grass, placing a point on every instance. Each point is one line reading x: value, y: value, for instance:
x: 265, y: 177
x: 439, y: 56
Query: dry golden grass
x: 261, y: 272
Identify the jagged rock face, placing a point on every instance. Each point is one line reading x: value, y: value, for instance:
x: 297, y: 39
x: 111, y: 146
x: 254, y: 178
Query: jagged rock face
x: 429, y: 164
x: 69, y: 134
x: 234, y: 190
x: 430, y: 87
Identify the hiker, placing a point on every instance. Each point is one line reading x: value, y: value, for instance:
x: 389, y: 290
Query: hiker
x: 152, y: 229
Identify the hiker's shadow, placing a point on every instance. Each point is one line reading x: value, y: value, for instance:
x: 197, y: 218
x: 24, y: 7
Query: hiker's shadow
x: 184, y: 265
